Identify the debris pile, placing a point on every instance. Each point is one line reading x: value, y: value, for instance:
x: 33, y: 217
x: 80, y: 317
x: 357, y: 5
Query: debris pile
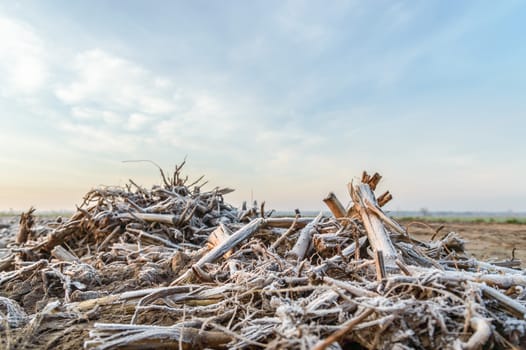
x: 178, y: 267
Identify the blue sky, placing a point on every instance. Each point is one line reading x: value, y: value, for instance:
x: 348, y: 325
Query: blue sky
x: 288, y: 99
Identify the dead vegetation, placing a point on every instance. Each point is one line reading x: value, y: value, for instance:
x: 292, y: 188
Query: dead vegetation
x: 177, y: 267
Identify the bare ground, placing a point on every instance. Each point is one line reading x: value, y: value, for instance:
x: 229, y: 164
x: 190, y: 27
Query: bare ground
x: 486, y: 241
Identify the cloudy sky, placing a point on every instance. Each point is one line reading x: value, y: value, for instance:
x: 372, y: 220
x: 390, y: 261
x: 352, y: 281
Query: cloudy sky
x: 283, y: 99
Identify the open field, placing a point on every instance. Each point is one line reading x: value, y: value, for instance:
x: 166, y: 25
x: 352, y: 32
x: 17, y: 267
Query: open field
x: 485, y: 239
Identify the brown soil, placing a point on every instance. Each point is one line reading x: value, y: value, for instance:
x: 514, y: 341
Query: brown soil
x: 486, y: 241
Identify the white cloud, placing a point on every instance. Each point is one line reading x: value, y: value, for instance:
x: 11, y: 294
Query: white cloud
x: 85, y: 114
x: 111, y: 97
x: 207, y: 119
x: 23, y: 61
x: 96, y: 139
x: 113, y: 83
x: 137, y: 121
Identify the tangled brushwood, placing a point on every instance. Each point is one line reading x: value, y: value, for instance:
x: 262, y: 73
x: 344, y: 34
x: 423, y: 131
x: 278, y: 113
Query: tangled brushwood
x: 177, y: 267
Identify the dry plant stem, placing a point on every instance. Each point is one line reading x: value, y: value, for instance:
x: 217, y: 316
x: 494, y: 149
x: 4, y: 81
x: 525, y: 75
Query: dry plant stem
x: 378, y: 235
x: 335, y: 206
x: 218, y: 236
x: 286, y: 222
x: 221, y: 249
x: 161, y: 218
x: 380, y: 266
x: 285, y: 235
x: 146, y: 293
x: 374, y: 180
x: 62, y: 254
x: 515, y: 308
x: 108, y: 238
x: 14, y: 274
x: 165, y: 242
x: 304, y: 240
x: 385, y: 198
x: 347, y: 252
x: 141, y: 336
x: 346, y: 328
x: 403, y: 267
x: 387, y: 220
x: 26, y: 222
x: 349, y: 287
x: 480, y: 337
x: 7, y: 261
x: 502, y: 281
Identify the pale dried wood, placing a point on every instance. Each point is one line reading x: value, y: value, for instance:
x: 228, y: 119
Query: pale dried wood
x: 303, y: 243
x: 378, y: 235
x: 335, y: 206
x: 346, y: 328
x: 380, y: 265
x: 7, y: 261
x: 384, y: 198
x: 217, y: 236
x: 26, y: 223
x: 233, y: 240
x: 113, y: 336
x: 148, y: 217
x: 351, y: 249
x: 287, y: 233
x: 62, y: 254
x: 287, y: 222
x: 491, y: 279
x: 481, y: 336
x: 349, y: 287
x: 396, y: 227
x: 512, y: 306
x: 374, y: 180
x: 141, y: 233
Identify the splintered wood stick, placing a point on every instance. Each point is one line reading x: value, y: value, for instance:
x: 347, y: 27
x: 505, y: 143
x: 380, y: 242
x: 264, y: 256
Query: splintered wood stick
x: 349, y: 287
x: 26, y: 222
x: 336, y: 207
x: 365, y: 177
x: 62, y: 254
x: 145, y: 234
x: 130, y: 296
x: 286, y: 222
x: 378, y: 236
x: 348, y: 251
x: 380, y: 266
x: 220, y: 234
x: 482, y: 333
x: 291, y: 229
x: 221, y: 249
x: 403, y: 267
x: 346, y: 328
x: 386, y: 219
x: 161, y: 218
x: 374, y: 180
x: 491, y: 279
x: 304, y: 240
x: 7, y: 261
x: 383, y: 199
x: 513, y: 307
x: 111, y: 336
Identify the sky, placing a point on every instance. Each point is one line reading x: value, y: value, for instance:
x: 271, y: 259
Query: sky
x: 282, y: 100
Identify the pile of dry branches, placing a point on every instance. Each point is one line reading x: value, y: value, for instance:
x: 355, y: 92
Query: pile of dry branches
x: 176, y: 267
